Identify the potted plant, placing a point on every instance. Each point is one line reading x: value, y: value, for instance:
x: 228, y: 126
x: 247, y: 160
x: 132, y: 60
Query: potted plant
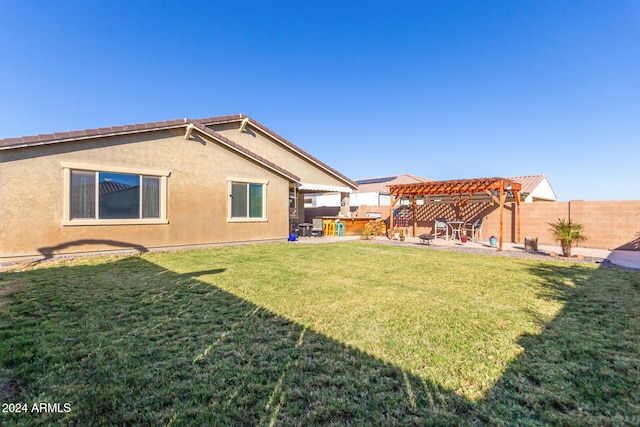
x: 493, y: 241
x: 368, y: 232
x: 567, y: 232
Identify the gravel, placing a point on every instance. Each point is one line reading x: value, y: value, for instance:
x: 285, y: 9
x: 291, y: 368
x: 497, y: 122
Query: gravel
x: 493, y: 252
x: 383, y: 241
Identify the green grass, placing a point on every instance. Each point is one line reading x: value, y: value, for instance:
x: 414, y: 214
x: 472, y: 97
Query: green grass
x: 351, y: 333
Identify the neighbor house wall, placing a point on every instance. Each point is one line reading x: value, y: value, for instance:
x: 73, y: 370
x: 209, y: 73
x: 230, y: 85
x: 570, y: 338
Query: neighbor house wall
x: 31, y: 195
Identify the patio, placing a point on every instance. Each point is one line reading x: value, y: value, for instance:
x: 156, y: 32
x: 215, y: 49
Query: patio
x: 459, y: 192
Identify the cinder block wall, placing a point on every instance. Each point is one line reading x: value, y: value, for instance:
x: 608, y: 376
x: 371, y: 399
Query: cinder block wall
x: 607, y: 224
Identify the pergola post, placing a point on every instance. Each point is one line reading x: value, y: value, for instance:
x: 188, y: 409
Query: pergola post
x: 394, y: 200
x: 518, y: 237
x: 415, y: 225
x: 502, y: 198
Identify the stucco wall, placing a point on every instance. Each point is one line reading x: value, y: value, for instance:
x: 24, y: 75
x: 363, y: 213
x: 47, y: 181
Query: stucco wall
x: 263, y: 145
x: 31, y: 195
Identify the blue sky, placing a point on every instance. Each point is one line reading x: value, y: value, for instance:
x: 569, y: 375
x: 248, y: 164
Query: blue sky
x: 441, y: 89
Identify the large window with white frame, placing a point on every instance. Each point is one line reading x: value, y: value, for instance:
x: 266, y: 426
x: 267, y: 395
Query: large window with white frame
x: 247, y: 200
x: 97, y: 195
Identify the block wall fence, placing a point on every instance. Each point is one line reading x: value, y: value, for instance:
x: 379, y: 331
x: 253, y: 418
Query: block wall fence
x: 607, y: 224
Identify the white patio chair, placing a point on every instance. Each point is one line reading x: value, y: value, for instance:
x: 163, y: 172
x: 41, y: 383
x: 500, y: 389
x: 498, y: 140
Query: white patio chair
x: 441, y: 224
x: 476, y: 226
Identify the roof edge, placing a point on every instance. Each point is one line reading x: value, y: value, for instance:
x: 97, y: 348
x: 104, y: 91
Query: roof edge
x: 81, y: 135
x: 87, y: 134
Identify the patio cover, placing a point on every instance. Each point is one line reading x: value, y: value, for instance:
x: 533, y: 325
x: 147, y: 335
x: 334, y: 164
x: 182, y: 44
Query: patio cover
x: 303, y: 186
x: 461, y: 191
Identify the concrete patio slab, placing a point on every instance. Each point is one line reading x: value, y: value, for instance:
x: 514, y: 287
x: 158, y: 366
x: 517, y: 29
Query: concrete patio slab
x: 625, y: 259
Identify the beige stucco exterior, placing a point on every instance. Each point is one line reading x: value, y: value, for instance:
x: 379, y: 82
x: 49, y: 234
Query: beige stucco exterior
x: 32, y: 193
x: 264, y: 145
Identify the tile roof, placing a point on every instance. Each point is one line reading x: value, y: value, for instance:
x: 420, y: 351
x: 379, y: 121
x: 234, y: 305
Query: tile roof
x: 59, y: 137
x: 200, y: 124
x: 530, y: 182
x: 112, y: 187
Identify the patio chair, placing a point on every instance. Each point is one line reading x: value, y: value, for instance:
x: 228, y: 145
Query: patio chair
x: 441, y: 224
x: 476, y: 226
x: 316, y: 230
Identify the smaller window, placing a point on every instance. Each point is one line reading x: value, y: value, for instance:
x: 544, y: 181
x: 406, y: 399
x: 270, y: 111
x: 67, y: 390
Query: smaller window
x: 247, y: 200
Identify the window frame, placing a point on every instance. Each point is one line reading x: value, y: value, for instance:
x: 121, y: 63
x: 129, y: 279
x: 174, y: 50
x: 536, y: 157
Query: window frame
x: 235, y: 180
x: 67, y: 167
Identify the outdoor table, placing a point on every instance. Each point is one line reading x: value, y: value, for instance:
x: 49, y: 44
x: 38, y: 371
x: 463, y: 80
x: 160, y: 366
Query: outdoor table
x: 305, y: 228
x: 456, y: 228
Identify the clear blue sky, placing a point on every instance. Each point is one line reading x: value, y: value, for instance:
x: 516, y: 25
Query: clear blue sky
x: 441, y: 89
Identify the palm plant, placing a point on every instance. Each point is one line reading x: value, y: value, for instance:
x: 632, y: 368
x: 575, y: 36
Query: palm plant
x: 567, y: 232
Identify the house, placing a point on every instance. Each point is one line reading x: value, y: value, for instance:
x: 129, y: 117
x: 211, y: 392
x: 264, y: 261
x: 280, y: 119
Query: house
x: 375, y: 191
x: 370, y: 192
x: 169, y: 184
x: 535, y: 188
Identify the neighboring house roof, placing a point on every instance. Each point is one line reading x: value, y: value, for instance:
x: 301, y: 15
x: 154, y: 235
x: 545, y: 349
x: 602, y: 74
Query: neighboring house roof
x: 198, y: 124
x: 381, y: 184
x: 535, y: 187
x: 112, y: 187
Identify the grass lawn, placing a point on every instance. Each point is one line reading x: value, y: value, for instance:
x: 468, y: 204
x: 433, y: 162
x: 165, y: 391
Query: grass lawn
x: 345, y: 333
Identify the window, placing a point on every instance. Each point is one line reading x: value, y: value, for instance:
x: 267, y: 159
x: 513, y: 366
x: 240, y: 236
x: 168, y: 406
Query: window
x: 116, y: 195
x: 247, y: 200
x: 119, y: 196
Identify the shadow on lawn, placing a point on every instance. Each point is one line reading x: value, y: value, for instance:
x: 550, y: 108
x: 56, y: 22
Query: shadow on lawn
x: 584, y: 368
x: 50, y: 251
x: 152, y: 347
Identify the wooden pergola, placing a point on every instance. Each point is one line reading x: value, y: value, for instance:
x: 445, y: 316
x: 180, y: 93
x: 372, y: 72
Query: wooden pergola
x: 461, y: 191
